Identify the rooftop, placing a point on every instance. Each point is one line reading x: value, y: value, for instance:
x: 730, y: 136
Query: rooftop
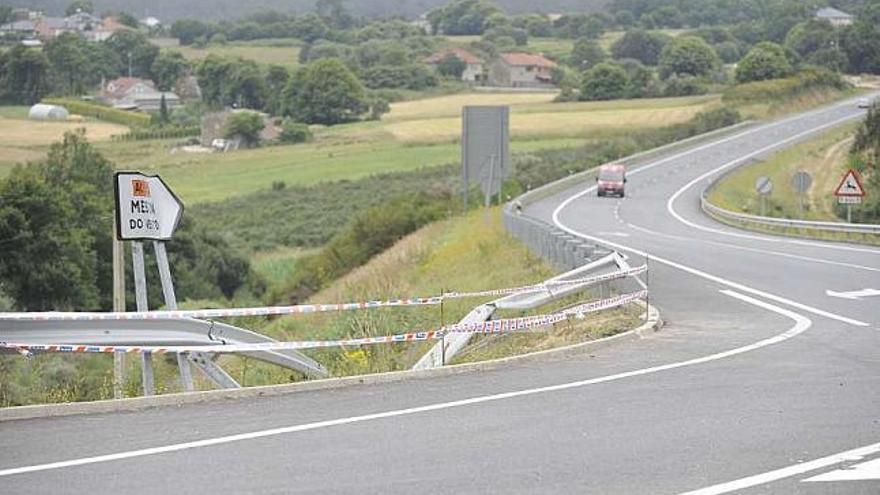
x: 832, y: 13
x: 527, y: 59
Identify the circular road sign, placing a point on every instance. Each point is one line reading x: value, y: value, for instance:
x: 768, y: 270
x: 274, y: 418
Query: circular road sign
x: 764, y: 185
x: 801, y: 181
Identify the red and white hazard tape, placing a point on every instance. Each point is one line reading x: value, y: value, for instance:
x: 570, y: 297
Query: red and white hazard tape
x: 310, y: 308
x: 508, y: 325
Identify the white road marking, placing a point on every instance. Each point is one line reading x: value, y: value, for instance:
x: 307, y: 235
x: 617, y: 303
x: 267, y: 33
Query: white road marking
x: 854, y: 294
x: 615, y: 234
x: 671, y: 208
x: 754, y: 250
x: 771, y: 476
x: 860, y: 472
x: 694, y: 271
x: 801, y: 325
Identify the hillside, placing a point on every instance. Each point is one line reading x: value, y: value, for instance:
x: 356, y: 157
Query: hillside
x: 170, y: 10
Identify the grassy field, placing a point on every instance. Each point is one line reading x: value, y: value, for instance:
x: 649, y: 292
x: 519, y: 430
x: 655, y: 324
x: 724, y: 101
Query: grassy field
x: 286, y: 56
x: 23, y: 140
x: 413, y: 135
x: 823, y: 157
x: 463, y: 253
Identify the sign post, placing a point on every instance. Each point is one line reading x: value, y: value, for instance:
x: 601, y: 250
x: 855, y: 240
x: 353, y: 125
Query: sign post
x: 118, y: 306
x: 849, y: 192
x: 764, y: 186
x: 801, y: 183
x: 146, y: 209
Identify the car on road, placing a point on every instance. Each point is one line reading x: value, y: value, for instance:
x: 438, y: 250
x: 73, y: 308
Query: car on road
x: 611, y: 180
x: 864, y: 103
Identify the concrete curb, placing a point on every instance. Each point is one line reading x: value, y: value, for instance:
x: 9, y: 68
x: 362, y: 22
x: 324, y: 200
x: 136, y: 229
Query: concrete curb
x: 140, y: 403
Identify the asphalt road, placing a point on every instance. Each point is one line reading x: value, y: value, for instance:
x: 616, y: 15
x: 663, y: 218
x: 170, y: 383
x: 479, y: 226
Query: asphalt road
x: 757, y: 383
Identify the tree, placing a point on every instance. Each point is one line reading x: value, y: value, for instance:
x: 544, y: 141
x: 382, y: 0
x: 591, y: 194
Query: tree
x: 246, y: 85
x: 467, y: 17
x: 126, y: 19
x: 24, y: 77
x: 55, y: 218
x: 688, y: 55
x: 325, y: 92
x: 68, y: 56
x: 276, y: 79
x: 187, y: 30
x: 861, y: 41
x: 865, y: 157
x: 805, y: 38
x: 451, y: 66
x: 79, y: 6
x: 136, y: 45
x: 335, y: 14
x: 640, y: 45
x: 765, y: 61
x: 585, y: 54
x: 56, y: 227
x: 604, y: 82
x: 294, y: 132
x: 245, y: 125
x: 163, y: 110
x: 168, y: 68
x: 5, y: 14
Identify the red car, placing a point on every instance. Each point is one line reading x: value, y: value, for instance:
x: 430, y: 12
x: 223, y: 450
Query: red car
x: 611, y: 180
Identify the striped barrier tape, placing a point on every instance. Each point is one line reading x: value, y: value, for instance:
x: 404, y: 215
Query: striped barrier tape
x: 310, y: 308
x: 508, y: 325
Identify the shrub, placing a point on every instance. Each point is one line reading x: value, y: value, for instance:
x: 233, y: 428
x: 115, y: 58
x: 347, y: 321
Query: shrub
x: 774, y: 90
x: 246, y: 125
x: 294, y: 132
x: 122, y: 117
x: 604, y: 82
x: 159, y: 133
x: 683, y: 86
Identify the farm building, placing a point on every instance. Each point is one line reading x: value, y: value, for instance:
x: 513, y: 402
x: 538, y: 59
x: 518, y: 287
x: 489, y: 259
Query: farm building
x: 522, y: 70
x: 473, y: 71
x: 47, y: 112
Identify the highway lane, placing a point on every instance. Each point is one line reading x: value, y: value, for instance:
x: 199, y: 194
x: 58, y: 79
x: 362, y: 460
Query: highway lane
x: 619, y: 420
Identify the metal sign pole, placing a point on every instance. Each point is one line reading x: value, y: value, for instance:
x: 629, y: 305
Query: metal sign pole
x: 171, y: 303
x: 140, y: 292
x: 118, y: 306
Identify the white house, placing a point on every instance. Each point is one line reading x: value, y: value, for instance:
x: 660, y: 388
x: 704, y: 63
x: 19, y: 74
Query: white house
x: 137, y: 94
x: 834, y: 16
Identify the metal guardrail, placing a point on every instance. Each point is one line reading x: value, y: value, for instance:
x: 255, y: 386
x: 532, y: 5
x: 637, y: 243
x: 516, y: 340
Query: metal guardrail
x: 728, y: 216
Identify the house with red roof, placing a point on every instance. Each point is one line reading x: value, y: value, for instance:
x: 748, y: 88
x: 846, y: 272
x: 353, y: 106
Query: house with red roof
x: 132, y: 93
x: 473, y: 71
x: 522, y: 70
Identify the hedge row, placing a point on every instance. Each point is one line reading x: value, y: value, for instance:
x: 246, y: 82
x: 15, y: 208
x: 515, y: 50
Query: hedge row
x: 774, y: 90
x: 160, y: 133
x: 101, y: 112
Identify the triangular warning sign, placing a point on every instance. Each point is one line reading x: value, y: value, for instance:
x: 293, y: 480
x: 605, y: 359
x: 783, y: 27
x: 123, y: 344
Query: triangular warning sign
x: 850, y: 185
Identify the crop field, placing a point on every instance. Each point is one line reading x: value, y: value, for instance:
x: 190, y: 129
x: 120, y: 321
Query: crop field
x: 286, y: 56
x: 414, y: 134
x: 24, y: 140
